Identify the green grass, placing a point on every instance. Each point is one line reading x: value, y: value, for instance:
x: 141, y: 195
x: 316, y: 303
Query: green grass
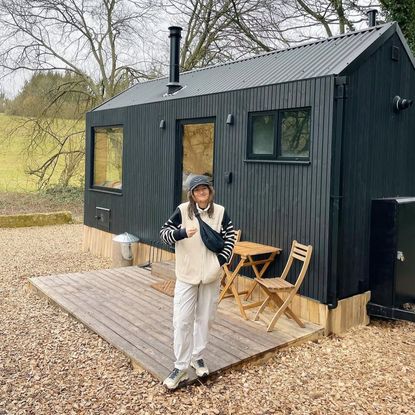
x: 14, y: 157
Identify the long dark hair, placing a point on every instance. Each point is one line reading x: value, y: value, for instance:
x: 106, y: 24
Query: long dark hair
x: 191, y: 209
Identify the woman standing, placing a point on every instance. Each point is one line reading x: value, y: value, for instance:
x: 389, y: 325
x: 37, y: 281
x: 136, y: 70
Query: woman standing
x: 198, y: 273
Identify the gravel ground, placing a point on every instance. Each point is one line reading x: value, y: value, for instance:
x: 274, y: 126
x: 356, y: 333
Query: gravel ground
x: 51, y: 364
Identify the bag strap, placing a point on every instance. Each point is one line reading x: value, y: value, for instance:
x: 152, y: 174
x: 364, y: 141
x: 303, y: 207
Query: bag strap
x: 201, y: 221
x: 197, y: 213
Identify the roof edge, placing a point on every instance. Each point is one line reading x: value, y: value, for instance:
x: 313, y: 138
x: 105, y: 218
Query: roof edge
x: 385, y: 32
x: 109, y: 99
x: 405, y: 45
x: 389, y: 30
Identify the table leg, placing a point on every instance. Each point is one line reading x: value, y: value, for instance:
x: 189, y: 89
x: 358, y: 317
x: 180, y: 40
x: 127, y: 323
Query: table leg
x: 238, y: 301
x: 231, y: 277
x: 230, y: 285
x: 259, y: 274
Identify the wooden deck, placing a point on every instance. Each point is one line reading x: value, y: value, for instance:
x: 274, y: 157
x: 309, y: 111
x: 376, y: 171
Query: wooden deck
x: 121, y: 307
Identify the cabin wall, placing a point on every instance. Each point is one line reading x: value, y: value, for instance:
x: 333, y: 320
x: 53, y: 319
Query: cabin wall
x: 378, y: 155
x: 272, y: 203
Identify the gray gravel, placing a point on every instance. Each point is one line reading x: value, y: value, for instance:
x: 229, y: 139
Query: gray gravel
x: 51, y: 364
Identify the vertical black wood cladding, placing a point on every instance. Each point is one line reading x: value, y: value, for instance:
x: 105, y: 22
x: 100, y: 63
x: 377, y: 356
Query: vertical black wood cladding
x: 271, y: 203
x: 378, y: 155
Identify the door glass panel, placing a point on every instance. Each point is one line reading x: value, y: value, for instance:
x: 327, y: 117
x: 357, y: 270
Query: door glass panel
x: 197, y: 152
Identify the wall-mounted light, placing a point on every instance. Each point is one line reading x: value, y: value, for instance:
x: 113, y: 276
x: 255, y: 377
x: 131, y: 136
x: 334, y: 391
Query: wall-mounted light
x: 229, y: 119
x: 401, y: 103
x: 162, y: 124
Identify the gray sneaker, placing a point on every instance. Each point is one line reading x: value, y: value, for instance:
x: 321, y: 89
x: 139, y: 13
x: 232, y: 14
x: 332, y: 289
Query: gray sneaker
x: 175, y: 378
x: 200, y: 367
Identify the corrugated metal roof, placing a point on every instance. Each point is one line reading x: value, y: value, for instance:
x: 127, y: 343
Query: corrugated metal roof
x: 330, y: 56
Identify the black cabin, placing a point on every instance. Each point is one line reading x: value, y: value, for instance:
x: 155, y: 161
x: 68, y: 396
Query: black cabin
x: 298, y: 142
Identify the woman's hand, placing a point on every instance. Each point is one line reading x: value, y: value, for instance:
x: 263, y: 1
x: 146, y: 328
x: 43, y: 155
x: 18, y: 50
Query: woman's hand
x: 190, y: 232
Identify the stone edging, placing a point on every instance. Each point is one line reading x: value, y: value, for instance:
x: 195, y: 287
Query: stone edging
x: 35, y: 219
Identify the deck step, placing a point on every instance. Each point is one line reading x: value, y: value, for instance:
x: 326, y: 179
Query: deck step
x: 164, y: 270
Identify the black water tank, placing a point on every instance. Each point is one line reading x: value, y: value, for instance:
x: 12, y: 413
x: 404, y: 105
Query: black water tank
x: 392, y: 258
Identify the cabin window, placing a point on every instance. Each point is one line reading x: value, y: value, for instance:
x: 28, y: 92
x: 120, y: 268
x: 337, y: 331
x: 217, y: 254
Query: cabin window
x: 295, y: 134
x: 279, y: 135
x: 108, y: 143
x: 262, y: 135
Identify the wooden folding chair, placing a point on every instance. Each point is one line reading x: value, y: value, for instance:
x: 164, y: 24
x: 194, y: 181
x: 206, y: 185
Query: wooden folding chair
x: 274, y: 286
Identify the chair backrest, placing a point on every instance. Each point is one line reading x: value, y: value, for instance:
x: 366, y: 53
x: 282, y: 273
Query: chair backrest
x: 301, y: 253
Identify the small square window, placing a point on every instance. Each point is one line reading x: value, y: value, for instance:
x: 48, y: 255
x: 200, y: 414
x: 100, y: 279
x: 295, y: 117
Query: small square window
x: 262, y: 135
x: 295, y: 134
x: 108, y: 143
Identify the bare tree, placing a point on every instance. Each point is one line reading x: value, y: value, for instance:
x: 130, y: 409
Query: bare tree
x: 218, y: 31
x: 98, y: 41
x: 289, y: 22
x: 335, y: 16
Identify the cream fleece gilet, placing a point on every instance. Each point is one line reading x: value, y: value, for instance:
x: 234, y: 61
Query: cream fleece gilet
x: 194, y: 262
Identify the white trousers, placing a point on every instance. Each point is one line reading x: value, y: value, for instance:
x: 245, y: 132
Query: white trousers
x: 193, y: 314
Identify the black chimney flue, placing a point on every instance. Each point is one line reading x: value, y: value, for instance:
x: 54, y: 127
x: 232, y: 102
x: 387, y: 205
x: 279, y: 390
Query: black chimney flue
x: 175, y: 36
x: 371, y: 14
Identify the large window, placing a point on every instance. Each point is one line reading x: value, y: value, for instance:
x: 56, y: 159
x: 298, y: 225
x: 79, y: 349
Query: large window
x: 108, y: 142
x: 279, y: 135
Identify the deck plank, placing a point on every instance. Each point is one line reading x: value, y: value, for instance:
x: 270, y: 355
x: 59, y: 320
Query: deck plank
x: 121, y: 307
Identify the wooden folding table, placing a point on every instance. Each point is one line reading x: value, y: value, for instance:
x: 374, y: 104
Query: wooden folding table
x: 246, y: 251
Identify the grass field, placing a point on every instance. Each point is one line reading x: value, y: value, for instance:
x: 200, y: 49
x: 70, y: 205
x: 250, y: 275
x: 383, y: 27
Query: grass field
x: 14, y: 157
